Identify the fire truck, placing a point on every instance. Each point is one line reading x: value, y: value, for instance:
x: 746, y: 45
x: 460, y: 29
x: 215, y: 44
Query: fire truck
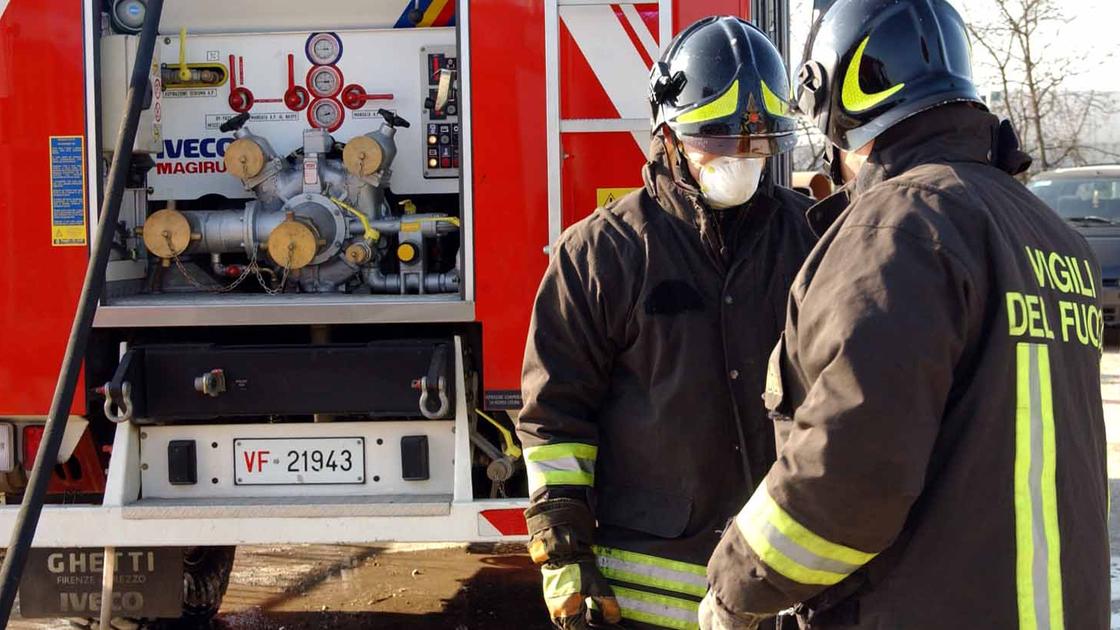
x: 335, y: 220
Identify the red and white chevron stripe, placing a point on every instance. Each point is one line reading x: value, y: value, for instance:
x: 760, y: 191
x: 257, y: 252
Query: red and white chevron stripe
x: 619, y: 46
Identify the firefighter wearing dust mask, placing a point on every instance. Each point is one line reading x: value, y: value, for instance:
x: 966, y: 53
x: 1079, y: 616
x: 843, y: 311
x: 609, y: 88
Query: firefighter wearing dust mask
x: 647, y: 350
x: 937, y: 388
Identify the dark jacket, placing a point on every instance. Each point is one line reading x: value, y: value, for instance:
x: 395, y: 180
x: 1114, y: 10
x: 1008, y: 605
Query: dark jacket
x: 938, y: 390
x: 646, y: 350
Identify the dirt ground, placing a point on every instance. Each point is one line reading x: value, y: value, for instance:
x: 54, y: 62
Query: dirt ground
x: 362, y: 587
x: 296, y: 587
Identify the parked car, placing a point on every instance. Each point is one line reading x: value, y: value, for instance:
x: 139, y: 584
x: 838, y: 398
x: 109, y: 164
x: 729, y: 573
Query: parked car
x: 1089, y: 198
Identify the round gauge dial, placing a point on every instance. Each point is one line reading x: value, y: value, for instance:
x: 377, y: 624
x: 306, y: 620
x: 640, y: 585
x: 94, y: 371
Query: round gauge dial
x: 325, y: 114
x: 324, y: 81
x: 323, y: 48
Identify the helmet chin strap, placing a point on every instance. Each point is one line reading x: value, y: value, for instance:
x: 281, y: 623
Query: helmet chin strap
x: 835, y: 163
x: 681, y: 174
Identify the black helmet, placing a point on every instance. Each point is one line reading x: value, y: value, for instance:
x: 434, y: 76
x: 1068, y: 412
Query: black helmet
x: 869, y: 64
x: 721, y: 87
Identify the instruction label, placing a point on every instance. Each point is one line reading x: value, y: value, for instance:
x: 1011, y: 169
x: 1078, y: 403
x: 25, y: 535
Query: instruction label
x: 368, y: 114
x: 190, y: 93
x: 603, y: 196
x: 213, y: 121
x: 68, y: 191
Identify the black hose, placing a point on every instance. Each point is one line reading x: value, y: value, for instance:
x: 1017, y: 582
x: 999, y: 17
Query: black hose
x: 32, y: 506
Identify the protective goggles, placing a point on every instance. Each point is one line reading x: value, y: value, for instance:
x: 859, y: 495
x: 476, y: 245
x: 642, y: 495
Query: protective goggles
x: 754, y: 146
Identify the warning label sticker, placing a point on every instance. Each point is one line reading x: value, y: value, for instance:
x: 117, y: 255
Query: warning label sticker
x: 213, y: 121
x: 603, y: 196
x: 68, y: 191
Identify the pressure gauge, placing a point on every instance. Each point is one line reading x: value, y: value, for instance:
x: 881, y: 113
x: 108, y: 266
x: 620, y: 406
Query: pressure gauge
x: 325, y: 114
x: 323, y: 49
x: 324, y: 81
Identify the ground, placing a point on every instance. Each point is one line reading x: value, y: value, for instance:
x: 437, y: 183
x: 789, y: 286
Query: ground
x: 294, y: 587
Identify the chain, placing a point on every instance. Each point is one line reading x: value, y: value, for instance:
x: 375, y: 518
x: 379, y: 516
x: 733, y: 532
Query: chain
x: 253, y: 268
x: 283, y: 278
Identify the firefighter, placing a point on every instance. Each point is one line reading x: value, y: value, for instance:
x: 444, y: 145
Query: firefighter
x: 937, y: 388
x: 649, y: 340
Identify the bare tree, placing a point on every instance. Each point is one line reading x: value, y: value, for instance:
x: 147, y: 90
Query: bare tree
x: 811, y: 146
x: 1051, y: 119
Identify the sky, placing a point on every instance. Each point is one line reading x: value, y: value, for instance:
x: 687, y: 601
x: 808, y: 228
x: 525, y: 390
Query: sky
x: 1093, y: 30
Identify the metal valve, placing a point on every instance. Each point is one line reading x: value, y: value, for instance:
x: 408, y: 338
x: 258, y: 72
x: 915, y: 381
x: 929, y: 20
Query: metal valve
x: 212, y: 383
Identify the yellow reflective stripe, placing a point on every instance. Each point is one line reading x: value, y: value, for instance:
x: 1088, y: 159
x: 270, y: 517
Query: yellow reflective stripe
x: 1024, y: 552
x: 1037, y: 536
x: 657, y: 561
x: 763, y: 508
x: 659, y: 610
x: 546, y: 452
x: 852, y: 96
x: 774, y: 104
x: 792, y: 549
x: 561, y: 478
x: 563, y: 464
x: 724, y: 105
x: 782, y: 563
x: 647, y: 570
x: 561, y: 582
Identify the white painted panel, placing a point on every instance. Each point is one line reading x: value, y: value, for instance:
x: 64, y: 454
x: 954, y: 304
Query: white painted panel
x: 382, y: 61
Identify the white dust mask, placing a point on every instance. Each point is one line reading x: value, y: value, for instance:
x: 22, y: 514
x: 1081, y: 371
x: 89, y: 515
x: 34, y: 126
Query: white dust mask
x: 727, y: 181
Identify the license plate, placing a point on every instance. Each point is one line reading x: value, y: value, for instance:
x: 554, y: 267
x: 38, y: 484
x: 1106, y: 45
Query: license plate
x: 299, y: 461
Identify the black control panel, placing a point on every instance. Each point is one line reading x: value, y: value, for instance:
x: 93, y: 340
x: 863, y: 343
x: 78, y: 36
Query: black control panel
x: 441, y: 119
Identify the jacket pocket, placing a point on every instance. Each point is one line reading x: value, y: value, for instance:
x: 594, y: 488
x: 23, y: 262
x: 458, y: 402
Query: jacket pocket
x: 661, y: 514
x: 774, y: 397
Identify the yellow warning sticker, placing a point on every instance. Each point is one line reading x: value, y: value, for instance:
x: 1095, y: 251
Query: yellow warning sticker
x: 603, y: 196
x: 68, y: 191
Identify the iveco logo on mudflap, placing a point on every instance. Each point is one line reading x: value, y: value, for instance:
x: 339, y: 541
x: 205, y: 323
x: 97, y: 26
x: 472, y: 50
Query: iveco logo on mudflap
x: 191, y: 156
x: 147, y: 582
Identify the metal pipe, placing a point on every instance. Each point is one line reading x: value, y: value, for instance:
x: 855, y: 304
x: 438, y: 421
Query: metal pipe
x: 28, y: 518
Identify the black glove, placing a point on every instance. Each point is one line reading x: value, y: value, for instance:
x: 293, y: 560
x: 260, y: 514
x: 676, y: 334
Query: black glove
x: 560, y: 535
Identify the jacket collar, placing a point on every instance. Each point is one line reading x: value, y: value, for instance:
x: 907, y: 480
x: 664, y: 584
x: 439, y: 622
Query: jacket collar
x: 668, y: 189
x: 952, y: 133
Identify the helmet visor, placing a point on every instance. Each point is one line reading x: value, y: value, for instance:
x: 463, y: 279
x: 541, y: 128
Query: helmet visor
x: 754, y: 146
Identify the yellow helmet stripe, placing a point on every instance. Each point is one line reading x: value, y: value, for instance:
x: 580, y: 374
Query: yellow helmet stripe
x: 853, y: 97
x: 722, y: 106
x: 774, y: 104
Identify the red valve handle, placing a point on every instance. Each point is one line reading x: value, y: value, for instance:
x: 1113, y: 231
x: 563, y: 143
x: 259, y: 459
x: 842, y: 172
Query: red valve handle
x: 240, y: 98
x: 354, y: 96
x: 296, y: 97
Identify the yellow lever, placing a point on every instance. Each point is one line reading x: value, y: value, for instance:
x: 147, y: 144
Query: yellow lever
x: 371, y: 233
x: 184, y: 71
x: 511, y: 450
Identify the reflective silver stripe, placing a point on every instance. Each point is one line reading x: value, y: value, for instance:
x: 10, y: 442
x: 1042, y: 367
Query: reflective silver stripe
x: 650, y: 575
x: 659, y: 610
x: 560, y: 471
x: 800, y: 555
x: 1038, y: 547
x: 563, y: 463
x: 1038, y: 534
x: 656, y: 609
